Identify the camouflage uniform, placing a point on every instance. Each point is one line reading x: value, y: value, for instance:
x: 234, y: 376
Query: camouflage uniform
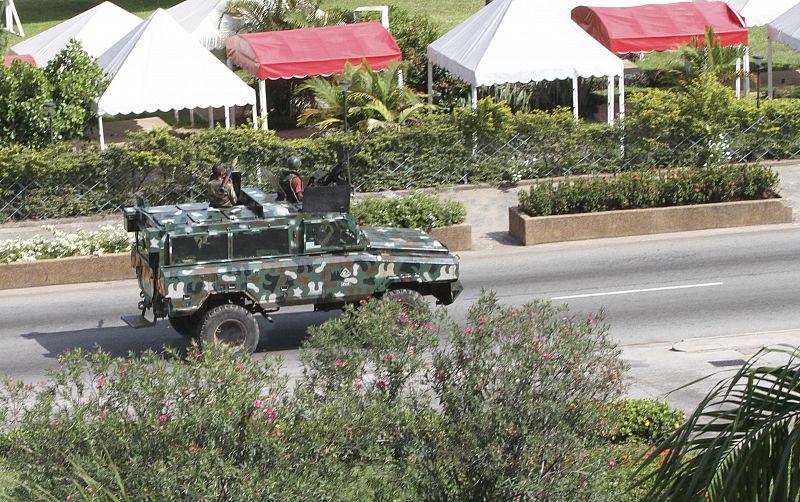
x: 220, y: 195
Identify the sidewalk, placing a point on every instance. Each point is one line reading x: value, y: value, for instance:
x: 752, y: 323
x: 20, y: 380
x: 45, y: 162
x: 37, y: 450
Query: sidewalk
x: 657, y: 369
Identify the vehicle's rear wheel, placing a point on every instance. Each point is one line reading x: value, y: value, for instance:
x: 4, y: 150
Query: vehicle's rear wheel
x: 232, y: 325
x: 186, y: 326
x: 410, y: 299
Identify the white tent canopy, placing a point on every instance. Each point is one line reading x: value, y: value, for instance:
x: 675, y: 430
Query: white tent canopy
x: 760, y: 12
x: 97, y: 29
x: 785, y: 29
x: 159, y: 66
x: 205, y: 20
x: 523, y: 41
x: 12, y: 18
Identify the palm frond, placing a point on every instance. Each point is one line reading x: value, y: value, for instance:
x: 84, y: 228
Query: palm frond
x: 741, y: 443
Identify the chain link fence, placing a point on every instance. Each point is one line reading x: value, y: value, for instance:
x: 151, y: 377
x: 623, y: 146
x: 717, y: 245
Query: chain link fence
x: 108, y: 187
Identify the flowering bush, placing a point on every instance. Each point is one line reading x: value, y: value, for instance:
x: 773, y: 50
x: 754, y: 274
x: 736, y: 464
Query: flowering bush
x: 650, y: 189
x: 505, y: 409
x: 416, y: 210
x: 642, y: 420
x: 108, y: 239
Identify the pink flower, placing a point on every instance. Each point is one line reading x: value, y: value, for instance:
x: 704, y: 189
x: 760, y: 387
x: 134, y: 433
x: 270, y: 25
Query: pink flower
x: 428, y: 326
x: 69, y: 497
x: 468, y: 330
x: 163, y: 418
x: 258, y: 403
x: 381, y: 384
x: 89, y: 490
x: 123, y: 372
x: 514, y: 313
x: 441, y: 375
x: 103, y: 412
x: 101, y: 382
x: 279, y: 434
x: 483, y: 321
x: 612, y: 463
x: 582, y: 483
x: 547, y: 355
x: 388, y: 358
x: 339, y: 363
x: 359, y: 384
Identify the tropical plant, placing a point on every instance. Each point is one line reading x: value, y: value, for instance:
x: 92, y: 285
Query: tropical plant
x: 743, y: 440
x: 699, y: 57
x: 375, y: 100
x: 76, y: 81
x: 276, y: 15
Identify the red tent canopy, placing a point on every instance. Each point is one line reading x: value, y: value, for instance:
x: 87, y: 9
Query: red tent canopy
x: 660, y: 27
x: 25, y: 58
x: 312, y: 51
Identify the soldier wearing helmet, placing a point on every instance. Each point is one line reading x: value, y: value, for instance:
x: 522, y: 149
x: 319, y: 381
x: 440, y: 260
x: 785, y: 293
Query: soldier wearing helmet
x: 291, y: 183
x: 220, y: 188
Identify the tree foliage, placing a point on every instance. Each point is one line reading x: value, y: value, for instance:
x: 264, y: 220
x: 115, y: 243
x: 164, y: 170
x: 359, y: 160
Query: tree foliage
x: 276, y: 15
x: 70, y: 81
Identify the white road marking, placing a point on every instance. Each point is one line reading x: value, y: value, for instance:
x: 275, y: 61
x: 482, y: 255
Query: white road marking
x: 644, y: 290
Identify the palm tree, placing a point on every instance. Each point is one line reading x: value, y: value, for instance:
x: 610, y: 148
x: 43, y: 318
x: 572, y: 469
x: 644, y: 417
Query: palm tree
x: 741, y: 443
x: 376, y: 99
x: 276, y: 15
x: 709, y: 56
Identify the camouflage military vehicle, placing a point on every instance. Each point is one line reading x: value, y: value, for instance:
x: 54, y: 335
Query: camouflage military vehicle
x: 209, y: 270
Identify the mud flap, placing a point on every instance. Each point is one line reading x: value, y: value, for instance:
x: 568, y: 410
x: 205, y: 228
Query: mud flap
x: 137, y: 321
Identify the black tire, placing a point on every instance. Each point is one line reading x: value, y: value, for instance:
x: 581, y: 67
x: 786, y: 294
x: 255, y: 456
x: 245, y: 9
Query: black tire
x: 411, y: 300
x: 232, y: 325
x: 185, y: 326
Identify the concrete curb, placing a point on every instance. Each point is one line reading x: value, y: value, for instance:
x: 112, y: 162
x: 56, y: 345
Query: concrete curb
x: 746, y: 341
x: 111, y: 267
x: 571, y: 227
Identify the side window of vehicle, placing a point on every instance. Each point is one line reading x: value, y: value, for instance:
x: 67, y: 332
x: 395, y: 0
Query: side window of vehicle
x: 199, y: 248
x: 262, y: 242
x: 321, y: 235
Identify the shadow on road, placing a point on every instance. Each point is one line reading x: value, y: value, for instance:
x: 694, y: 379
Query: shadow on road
x: 287, y: 332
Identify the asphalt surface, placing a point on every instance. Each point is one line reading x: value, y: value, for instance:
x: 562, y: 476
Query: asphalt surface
x: 676, y: 302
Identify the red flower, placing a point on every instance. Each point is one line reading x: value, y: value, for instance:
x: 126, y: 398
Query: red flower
x: 339, y: 363
x: 381, y: 384
x: 696, y: 189
x: 612, y: 463
x: 388, y: 358
x: 258, y: 403
x: 441, y: 375
x: 163, y: 418
x: 101, y: 382
x: 582, y: 483
x: 547, y: 355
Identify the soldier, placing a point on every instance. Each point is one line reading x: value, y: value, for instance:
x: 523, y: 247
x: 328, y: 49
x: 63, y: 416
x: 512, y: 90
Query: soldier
x: 291, y: 183
x: 220, y: 188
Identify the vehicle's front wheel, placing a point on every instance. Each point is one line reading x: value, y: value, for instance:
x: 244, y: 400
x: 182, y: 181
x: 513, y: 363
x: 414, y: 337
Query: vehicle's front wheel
x: 410, y: 299
x: 232, y: 325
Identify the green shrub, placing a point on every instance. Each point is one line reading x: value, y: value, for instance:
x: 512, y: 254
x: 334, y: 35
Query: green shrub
x: 642, y: 420
x: 634, y: 190
x: 381, y: 411
x: 416, y: 210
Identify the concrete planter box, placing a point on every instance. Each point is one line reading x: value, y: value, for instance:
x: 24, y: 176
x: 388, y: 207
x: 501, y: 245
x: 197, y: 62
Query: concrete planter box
x: 572, y: 227
x: 71, y: 270
x: 455, y: 237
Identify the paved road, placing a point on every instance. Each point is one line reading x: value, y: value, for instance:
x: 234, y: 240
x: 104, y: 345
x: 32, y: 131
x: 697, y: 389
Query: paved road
x: 658, y: 290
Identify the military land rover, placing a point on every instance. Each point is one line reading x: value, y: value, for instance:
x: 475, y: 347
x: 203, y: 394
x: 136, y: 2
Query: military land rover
x: 210, y: 270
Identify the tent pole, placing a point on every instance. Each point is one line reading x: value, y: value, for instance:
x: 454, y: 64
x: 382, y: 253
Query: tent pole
x: 400, y: 78
x: 769, y: 67
x: 430, y: 82
x: 473, y: 97
x: 746, y: 66
x: 191, y: 117
x: 233, y: 116
x: 100, y: 132
x: 611, y: 100
x: 738, y: 78
x: 622, y: 98
x: 210, y: 117
x: 262, y: 102
x: 575, y: 97
x: 227, y: 117
x: 255, y: 117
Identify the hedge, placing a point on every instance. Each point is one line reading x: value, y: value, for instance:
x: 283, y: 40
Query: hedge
x: 416, y: 210
x: 694, y: 127
x: 643, y: 189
